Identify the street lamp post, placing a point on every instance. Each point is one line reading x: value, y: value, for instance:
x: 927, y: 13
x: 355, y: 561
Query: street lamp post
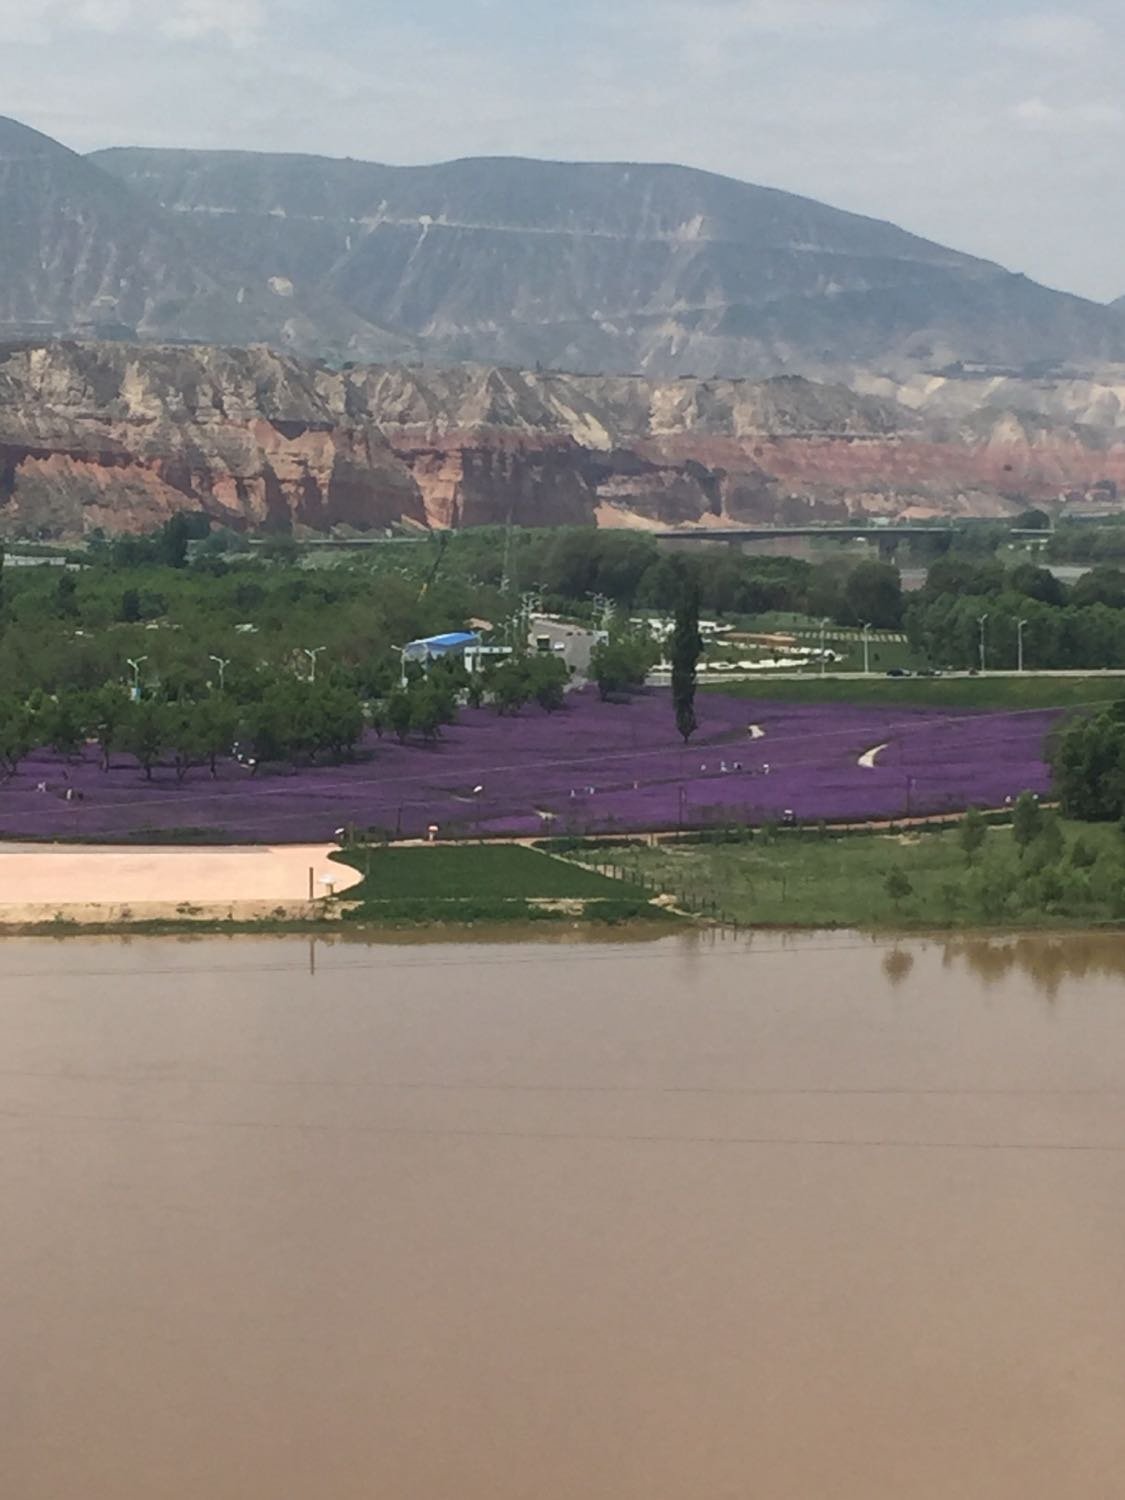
x: 867, y: 649
x: 823, y: 627
x: 1019, y: 644
x: 135, y: 663
x: 980, y: 622
x: 222, y: 662
x: 312, y: 654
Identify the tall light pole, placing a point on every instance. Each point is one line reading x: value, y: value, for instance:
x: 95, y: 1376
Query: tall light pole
x: 222, y: 663
x: 867, y: 649
x: 823, y: 628
x: 1019, y: 644
x: 312, y: 653
x: 980, y: 622
x: 135, y: 663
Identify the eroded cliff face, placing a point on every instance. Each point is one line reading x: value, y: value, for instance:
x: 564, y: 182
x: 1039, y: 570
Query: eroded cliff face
x: 119, y: 438
x: 683, y: 452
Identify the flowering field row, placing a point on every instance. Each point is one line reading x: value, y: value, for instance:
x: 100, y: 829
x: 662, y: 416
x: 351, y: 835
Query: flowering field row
x: 592, y: 767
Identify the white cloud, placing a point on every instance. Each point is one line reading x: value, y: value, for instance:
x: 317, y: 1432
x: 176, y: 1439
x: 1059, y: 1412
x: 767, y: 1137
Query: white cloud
x: 235, y: 21
x: 786, y: 16
x: 41, y: 22
x: 717, y: 23
x: 1084, y: 115
x: 22, y: 24
x: 99, y: 15
x: 1054, y: 35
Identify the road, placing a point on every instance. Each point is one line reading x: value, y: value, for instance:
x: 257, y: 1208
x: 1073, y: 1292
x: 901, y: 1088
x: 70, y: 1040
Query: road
x: 806, y: 674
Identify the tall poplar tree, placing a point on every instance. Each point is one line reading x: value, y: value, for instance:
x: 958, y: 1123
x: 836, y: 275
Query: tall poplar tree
x: 686, y: 649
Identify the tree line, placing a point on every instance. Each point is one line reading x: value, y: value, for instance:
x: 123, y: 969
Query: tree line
x: 269, y: 718
x: 1077, y: 626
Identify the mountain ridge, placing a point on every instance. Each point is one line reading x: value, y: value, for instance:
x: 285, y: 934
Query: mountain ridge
x: 80, y: 251
x: 614, y: 267
x: 119, y: 437
x: 606, y: 267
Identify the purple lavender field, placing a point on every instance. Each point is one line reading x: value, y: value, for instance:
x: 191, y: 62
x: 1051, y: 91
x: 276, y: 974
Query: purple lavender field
x: 594, y: 767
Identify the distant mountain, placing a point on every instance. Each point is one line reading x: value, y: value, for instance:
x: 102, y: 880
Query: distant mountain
x: 605, y: 267
x: 80, y: 251
x: 78, y: 248
x: 598, y: 267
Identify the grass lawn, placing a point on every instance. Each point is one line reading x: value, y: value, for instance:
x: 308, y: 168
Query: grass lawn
x: 936, y: 692
x: 807, y: 881
x: 475, y: 872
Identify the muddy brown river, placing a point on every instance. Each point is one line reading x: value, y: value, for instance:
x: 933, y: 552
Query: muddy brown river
x: 696, y: 1219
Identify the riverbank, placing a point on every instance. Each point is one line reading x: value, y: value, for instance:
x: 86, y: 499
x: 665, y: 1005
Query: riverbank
x: 59, y: 889
x: 920, y: 878
x: 1070, y: 875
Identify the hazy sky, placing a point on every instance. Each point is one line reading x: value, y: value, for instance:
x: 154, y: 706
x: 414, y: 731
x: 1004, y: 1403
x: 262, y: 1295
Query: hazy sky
x: 996, y: 126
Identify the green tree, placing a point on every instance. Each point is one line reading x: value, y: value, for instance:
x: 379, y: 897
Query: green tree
x: 62, y: 725
x: 130, y: 608
x: 510, y: 686
x: 1089, y: 767
x: 339, y: 715
x: 428, y: 709
x: 198, y: 732
x: 281, y: 723
x: 1047, y: 846
x: 1038, y: 583
x: 1027, y: 820
x: 66, y: 600
x: 1102, y: 585
x: 1032, y: 519
x: 620, y: 664
x: 399, y: 713
x: 214, y: 728
x: 144, y: 733
x: 873, y: 595
x: 18, y: 732
x: 180, y: 727
x: 898, y: 887
x: 685, y: 649
x: 105, y: 712
x: 1083, y: 855
x: 962, y: 576
x: 971, y: 832
x: 171, y: 541
x: 547, y: 677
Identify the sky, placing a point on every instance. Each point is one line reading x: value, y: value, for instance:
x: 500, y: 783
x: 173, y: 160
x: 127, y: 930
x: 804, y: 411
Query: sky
x: 997, y: 127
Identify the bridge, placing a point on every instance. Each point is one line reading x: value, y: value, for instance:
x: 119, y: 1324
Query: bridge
x: 885, y: 538
x: 757, y: 533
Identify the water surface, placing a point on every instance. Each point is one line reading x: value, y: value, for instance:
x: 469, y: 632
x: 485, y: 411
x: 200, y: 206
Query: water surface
x: 781, y: 1218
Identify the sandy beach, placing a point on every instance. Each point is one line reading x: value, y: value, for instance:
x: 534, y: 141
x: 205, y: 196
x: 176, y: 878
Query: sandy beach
x: 102, y: 884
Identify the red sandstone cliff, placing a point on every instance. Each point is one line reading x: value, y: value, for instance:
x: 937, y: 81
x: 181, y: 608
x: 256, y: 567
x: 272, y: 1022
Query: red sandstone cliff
x: 120, y: 437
